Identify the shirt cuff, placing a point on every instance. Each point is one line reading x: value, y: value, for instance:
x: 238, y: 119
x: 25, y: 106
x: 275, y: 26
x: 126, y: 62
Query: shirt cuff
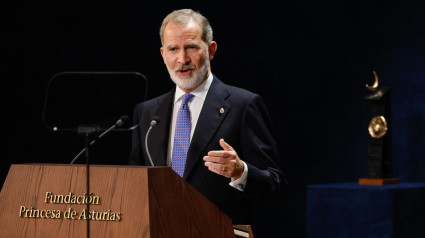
x: 240, y: 183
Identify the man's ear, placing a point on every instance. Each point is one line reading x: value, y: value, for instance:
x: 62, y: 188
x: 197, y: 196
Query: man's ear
x: 212, y: 48
x: 162, y: 54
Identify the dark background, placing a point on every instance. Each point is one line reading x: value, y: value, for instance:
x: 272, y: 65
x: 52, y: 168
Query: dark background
x: 310, y: 60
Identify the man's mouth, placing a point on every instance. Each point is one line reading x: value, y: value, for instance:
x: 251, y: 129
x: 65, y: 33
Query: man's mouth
x: 184, y: 70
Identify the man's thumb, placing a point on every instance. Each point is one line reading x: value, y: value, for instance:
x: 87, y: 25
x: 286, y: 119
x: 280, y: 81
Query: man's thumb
x: 225, y: 146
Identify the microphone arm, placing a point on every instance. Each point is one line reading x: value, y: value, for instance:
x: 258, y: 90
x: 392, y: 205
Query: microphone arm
x: 123, y: 120
x: 154, y: 122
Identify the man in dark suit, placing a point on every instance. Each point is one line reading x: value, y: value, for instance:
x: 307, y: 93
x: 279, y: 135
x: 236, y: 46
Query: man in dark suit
x: 232, y: 158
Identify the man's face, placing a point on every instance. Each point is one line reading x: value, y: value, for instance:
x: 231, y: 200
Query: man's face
x: 186, y: 55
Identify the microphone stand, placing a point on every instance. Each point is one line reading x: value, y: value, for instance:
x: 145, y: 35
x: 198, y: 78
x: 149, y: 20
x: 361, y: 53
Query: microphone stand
x: 88, y: 183
x: 88, y: 130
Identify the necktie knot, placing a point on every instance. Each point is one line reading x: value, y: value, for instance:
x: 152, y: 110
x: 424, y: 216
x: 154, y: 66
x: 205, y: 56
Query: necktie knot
x: 186, y: 99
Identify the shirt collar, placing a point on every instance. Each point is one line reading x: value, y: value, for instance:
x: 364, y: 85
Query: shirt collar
x: 199, y: 92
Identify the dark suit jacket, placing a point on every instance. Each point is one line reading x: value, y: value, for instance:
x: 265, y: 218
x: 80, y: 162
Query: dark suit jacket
x: 245, y: 125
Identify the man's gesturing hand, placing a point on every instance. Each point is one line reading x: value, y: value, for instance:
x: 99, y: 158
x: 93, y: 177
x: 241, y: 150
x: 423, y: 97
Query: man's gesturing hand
x: 225, y: 162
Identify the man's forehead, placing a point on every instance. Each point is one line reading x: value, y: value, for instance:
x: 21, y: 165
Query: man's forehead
x: 177, y: 33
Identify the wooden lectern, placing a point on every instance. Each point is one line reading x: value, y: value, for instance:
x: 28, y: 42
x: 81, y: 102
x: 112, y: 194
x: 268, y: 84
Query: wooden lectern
x: 50, y: 200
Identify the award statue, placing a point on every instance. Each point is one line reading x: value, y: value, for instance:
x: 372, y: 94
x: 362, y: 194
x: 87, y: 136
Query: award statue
x: 379, y: 165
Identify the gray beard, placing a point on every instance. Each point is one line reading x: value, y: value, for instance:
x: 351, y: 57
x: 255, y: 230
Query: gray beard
x: 190, y: 82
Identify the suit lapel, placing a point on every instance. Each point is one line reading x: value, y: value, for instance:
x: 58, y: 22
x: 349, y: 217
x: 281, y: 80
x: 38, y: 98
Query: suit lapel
x: 213, y: 112
x: 159, y: 135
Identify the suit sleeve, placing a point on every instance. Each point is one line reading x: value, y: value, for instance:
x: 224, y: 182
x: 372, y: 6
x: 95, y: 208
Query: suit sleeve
x: 259, y: 151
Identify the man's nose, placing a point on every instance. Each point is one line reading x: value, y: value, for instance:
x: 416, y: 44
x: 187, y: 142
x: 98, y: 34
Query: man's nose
x: 183, y: 57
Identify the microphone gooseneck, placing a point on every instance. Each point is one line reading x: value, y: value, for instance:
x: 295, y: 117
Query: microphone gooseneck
x: 154, y: 122
x: 121, y: 122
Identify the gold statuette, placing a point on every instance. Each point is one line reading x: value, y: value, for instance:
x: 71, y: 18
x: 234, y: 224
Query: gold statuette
x: 378, y: 127
x: 375, y: 84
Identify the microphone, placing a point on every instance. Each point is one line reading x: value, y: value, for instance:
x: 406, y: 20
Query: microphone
x: 154, y: 122
x: 121, y: 122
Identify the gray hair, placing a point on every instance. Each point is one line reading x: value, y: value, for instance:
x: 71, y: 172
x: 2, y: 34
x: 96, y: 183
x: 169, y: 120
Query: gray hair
x: 183, y: 17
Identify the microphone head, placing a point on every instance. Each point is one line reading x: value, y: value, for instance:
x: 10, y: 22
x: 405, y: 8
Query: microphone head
x: 122, y: 121
x: 155, y: 120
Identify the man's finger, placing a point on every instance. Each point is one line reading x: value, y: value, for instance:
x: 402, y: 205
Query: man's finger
x: 220, y: 153
x: 215, y: 159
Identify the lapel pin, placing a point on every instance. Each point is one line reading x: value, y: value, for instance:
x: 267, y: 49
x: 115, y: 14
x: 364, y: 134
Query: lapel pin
x: 221, y: 110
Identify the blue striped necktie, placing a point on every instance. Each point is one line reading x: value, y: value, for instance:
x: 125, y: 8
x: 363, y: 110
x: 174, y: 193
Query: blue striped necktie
x: 181, y: 136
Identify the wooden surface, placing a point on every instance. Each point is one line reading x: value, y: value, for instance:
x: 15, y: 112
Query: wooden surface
x: 153, y: 202
x: 181, y: 209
